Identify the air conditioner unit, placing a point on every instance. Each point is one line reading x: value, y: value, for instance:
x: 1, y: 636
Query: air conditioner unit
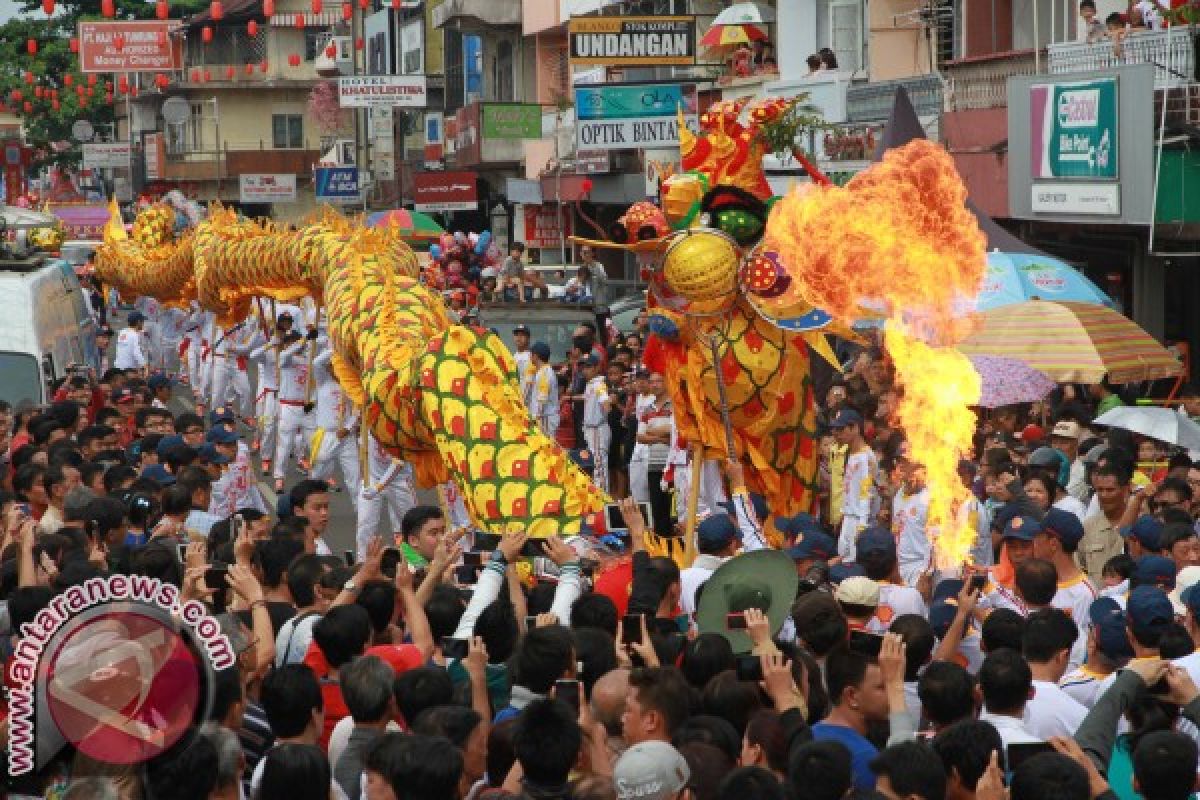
x: 342, y: 60
x: 340, y: 154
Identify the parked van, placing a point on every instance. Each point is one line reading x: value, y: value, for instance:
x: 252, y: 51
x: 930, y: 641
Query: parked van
x: 47, y: 326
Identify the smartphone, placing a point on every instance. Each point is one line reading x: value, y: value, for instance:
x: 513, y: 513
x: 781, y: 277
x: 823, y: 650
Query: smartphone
x: 868, y: 644
x: 348, y: 556
x: 631, y: 629
x: 472, y: 559
x: 614, y: 520
x: 1017, y: 754
x: 183, y: 553
x: 735, y: 621
x: 568, y: 692
x: 454, y: 648
x: 214, y: 578
x: 466, y: 574
x: 749, y: 668
x: 486, y: 541
x: 533, y: 548
x: 978, y: 582
x: 387, y: 564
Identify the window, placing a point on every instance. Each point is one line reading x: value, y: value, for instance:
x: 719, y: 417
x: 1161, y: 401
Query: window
x: 287, y: 131
x: 846, y: 34
x: 315, y: 40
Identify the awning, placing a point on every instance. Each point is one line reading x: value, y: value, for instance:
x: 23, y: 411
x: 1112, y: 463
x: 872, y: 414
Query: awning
x: 322, y: 20
x: 235, y: 11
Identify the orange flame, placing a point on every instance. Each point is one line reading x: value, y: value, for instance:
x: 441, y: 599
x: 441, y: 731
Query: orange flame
x: 899, y: 238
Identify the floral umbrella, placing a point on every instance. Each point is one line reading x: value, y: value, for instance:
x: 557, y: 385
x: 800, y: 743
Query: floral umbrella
x: 412, y: 224
x: 1006, y: 381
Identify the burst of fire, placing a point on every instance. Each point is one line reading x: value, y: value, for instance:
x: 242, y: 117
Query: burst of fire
x: 900, y: 238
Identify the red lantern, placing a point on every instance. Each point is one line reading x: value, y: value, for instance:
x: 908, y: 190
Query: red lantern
x: 216, y: 10
x: 347, y: 12
x: 108, y: 98
x: 119, y: 42
x: 206, y: 34
x: 54, y: 104
x: 294, y: 59
x: 17, y: 95
x: 161, y: 81
x: 48, y: 7
x: 249, y: 69
x: 161, y: 9
x: 395, y: 5
x: 229, y: 73
x: 133, y: 91
x: 262, y: 67
x: 317, y: 5
x: 38, y: 92
x: 68, y: 80
x: 331, y: 50
x: 92, y: 82
x: 108, y: 8
x: 195, y: 76
x: 364, y: 4
x: 268, y: 8
x: 90, y: 91
x: 123, y: 84
x: 28, y: 107
x: 359, y: 44
x: 252, y: 29
x: 207, y: 75
x: 80, y: 90
x: 29, y: 78
x: 300, y: 21
x: 74, y: 45
x: 31, y: 46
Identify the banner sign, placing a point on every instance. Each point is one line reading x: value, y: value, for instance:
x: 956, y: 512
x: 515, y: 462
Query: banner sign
x: 337, y: 184
x: 398, y: 91
x: 512, y: 121
x: 445, y: 191
x: 1073, y: 130
x: 107, y: 155
x: 541, y: 226
x: 632, y: 117
x: 267, y: 188
x: 129, y: 47
x: 632, y: 41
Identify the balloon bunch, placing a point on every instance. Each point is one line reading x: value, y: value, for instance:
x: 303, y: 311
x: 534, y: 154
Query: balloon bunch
x: 459, y: 263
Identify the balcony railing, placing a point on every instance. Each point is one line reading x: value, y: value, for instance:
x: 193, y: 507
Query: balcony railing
x: 982, y: 82
x: 1171, y: 51
x: 870, y: 102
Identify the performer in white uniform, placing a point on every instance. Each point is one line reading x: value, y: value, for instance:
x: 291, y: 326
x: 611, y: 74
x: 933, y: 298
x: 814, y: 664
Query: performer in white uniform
x: 389, y: 482
x: 130, y: 352
x: 334, y: 442
x: 293, y: 394
x: 542, y: 397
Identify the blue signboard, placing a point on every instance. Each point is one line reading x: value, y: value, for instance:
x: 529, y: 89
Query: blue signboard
x: 644, y: 100
x: 337, y: 184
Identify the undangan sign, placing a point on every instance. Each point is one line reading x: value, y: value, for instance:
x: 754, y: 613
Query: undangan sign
x: 633, y: 41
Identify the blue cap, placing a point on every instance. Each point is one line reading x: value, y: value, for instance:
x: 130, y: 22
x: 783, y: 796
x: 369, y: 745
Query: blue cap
x: 814, y: 544
x: 1110, y: 625
x: 221, y: 414
x: 158, y: 473
x: 1022, y: 528
x: 221, y: 435
x: 590, y: 360
x: 541, y: 350
x: 875, y: 540
x: 941, y: 616
x: 158, y: 381
x: 948, y: 589
x: 797, y: 527
x: 168, y: 442
x: 136, y: 317
x: 1102, y: 608
x: 1154, y: 571
x: 212, y: 455
x: 1064, y: 526
x: 845, y: 418
x: 716, y: 532
x: 1149, y: 610
x: 839, y: 572
x: 1147, y: 530
x: 1191, y: 599
x: 583, y: 459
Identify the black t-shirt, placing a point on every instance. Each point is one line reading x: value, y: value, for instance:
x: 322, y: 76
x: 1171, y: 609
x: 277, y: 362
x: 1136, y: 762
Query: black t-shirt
x: 279, y: 612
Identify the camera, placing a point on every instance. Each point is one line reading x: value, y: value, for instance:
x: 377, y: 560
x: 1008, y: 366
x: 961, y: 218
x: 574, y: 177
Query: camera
x: 816, y: 578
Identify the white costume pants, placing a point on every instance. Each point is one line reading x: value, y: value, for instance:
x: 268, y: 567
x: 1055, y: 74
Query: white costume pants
x: 293, y: 424
x: 329, y: 451
x: 398, y: 497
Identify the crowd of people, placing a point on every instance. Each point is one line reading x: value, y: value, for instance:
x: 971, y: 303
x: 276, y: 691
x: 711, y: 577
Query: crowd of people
x: 434, y: 662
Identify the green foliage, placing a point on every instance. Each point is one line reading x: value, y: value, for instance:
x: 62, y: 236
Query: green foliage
x: 792, y: 128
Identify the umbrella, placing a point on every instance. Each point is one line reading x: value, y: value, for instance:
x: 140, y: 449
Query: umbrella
x: 1006, y: 381
x: 741, y: 13
x: 1071, y: 342
x: 412, y: 224
x: 1163, y: 424
x: 732, y: 35
x: 1016, y: 277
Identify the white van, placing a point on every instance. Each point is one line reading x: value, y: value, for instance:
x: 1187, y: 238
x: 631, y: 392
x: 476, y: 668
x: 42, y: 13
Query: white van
x: 45, y: 326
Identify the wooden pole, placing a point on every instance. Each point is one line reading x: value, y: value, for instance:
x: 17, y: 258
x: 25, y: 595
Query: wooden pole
x: 689, y: 543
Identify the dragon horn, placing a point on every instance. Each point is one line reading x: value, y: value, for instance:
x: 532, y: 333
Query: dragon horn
x: 114, y: 229
x: 687, y: 140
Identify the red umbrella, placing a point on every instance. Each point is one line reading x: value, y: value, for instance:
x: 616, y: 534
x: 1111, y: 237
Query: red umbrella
x: 732, y: 35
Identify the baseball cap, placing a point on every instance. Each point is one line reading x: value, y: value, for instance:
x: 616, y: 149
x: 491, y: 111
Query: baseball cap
x: 1147, y: 530
x: 220, y: 435
x: 1184, y: 580
x: 715, y: 532
x: 136, y: 317
x: 1031, y: 433
x: 650, y: 771
x: 167, y: 442
x: 1064, y: 526
x: 158, y: 473
x: 1110, y: 622
x: 845, y: 418
x: 798, y: 527
x: 221, y: 414
x: 875, y: 540
x: 941, y: 616
x: 1067, y: 429
x: 158, y: 381
x: 1093, y: 455
x: 1154, y: 571
x: 541, y: 350
x: 840, y: 572
x: 814, y: 544
x: 212, y: 455
x: 1023, y: 528
x: 590, y: 360
x: 1191, y: 597
x: 858, y: 591
x: 521, y: 329
x: 1149, y: 610
x: 123, y: 395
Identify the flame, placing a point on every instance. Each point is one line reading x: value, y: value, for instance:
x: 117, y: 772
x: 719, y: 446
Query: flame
x: 899, y: 238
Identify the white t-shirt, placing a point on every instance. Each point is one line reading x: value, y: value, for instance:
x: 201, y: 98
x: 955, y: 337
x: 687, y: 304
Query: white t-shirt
x: 336, y: 792
x: 1151, y: 14
x: 293, y: 639
x: 1052, y: 712
x: 909, y: 515
x: 859, y: 496
x: 895, y: 601
x: 1069, y: 503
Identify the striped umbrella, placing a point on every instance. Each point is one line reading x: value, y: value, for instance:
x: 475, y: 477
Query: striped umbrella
x: 732, y: 35
x: 1071, y: 342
